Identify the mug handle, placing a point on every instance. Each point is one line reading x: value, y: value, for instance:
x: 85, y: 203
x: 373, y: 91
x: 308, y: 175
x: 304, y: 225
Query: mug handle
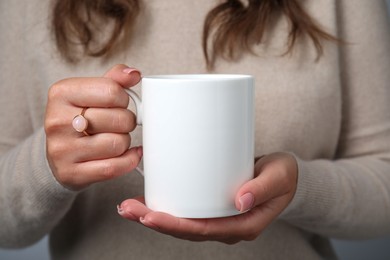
x: 138, y: 113
x: 138, y: 105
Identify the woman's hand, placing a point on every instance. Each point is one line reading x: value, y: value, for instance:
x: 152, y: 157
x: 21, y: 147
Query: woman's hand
x: 75, y: 159
x: 261, y: 200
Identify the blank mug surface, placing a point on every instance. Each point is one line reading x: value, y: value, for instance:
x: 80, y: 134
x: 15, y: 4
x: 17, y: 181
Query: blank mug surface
x: 198, y: 139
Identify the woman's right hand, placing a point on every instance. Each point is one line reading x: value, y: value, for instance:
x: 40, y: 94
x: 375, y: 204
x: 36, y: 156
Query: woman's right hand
x: 75, y: 159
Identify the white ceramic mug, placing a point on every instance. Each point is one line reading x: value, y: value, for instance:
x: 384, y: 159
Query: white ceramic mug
x: 198, y: 142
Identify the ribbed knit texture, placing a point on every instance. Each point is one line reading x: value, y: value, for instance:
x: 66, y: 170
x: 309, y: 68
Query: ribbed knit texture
x: 333, y: 115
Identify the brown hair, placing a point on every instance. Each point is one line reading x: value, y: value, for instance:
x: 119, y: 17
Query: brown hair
x: 78, y: 24
x: 230, y: 28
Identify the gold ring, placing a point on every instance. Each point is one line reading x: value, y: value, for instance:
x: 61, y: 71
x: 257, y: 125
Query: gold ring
x: 80, y: 123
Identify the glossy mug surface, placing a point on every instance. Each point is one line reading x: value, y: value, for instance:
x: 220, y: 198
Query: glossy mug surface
x: 198, y: 142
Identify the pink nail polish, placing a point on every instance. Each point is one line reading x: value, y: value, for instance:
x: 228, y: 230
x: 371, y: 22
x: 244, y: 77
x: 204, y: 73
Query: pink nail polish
x: 125, y: 213
x: 131, y: 70
x: 120, y: 210
x: 135, y: 75
x: 140, y: 151
x: 144, y: 222
x: 147, y: 223
x: 246, y: 201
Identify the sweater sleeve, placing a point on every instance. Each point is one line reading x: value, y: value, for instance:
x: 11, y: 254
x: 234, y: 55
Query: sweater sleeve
x: 349, y: 197
x: 31, y: 200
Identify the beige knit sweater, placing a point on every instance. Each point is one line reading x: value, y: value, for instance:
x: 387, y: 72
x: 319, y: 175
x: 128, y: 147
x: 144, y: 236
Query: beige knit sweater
x: 334, y: 115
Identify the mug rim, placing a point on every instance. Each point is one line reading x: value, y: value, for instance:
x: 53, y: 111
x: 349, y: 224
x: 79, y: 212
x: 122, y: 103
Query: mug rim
x: 198, y: 77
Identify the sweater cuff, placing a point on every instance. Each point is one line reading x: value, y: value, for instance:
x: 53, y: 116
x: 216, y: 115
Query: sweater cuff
x: 43, y: 178
x: 313, y: 194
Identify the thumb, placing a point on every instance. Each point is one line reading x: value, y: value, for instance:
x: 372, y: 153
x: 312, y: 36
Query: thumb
x: 275, y: 177
x: 124, y: 75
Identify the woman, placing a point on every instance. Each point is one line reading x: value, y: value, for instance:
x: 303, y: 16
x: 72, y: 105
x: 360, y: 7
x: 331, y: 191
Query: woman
x: 322, y: 127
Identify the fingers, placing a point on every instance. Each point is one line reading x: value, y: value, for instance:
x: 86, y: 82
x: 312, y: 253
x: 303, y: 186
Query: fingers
x: 109, y: 120
x: 133, y: 209
x: 101, y: 92
x: 100, y: 146
x: 86, y: 173
x: 89, y: 92
x: 112, y: 120
x: 229, y: 230
x: 276, y: 177
x: 260, y: 200
x: 75, y: 159
x: 124, y: 75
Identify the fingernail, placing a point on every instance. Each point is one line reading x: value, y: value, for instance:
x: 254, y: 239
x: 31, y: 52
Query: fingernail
x: 140, y: 151
x: 135, y: 79
x: 131, y: 71
x: 246, y: 201
x: 120, y: 210
x: 125, y: 214
x: 144, y: 222
x: 147, y: 223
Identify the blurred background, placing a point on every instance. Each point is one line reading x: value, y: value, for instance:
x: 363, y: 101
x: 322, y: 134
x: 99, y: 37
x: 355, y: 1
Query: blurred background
x: 378, y: 249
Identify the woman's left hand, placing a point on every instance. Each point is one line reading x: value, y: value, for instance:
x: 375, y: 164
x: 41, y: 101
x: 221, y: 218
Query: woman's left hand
x: 261, y: 199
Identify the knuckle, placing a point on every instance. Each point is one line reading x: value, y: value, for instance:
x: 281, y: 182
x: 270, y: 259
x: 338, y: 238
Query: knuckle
x: 108, y: 170
x: 113, y: 92
x: 56, y: 91
x: 54, y: 121
x: 56, y: 150
x: 53, y: 124
x: 115, y: 144
x: 124, y: 121
x: 119, y: 144
x: 115, y: 95
x: 117, y: 121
